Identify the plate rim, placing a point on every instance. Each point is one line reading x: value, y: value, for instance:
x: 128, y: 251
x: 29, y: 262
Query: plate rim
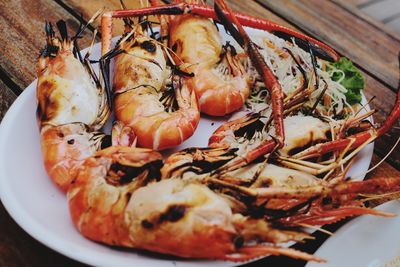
x: 387, y: 206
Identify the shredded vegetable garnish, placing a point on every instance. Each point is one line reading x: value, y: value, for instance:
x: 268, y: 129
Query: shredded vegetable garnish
x: 338, y: 89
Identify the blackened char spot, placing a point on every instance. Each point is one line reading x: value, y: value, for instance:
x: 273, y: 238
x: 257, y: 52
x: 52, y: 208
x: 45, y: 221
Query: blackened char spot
x: 200, y: 166
x: 266, y: 182
x: 174, y: 213
x: 326, y: 200
x: 296, y: 150
x: 238, y: 241
x: 128, y: 173
x: 148, y: 46
x: 106, y: 142
x: 250, y: 129
x: 146, y: 224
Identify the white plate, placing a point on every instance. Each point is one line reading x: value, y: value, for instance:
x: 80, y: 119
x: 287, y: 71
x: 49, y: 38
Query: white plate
x: 367, y: 241
x: 41, y: 209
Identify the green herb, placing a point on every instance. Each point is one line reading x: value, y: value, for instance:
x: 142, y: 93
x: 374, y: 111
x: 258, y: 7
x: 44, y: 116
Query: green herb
x: 353, y: 80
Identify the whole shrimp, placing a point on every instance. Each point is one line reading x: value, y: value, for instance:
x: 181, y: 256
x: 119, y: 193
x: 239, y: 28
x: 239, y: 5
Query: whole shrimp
x: 276, y: 193
x: 112, y: 201
x: 151, y: 103
x: 220, y: 80
x: 72, y: 106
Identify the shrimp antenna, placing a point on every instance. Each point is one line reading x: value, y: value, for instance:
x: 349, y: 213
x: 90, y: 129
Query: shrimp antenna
x: 228, y: 25
x: 301, y: 69
x: 105, y: 71
x: 87, y: 63
x: 305, y: 45
x: 127, y: 21
x: 91, y: 20
x: 314, y: 63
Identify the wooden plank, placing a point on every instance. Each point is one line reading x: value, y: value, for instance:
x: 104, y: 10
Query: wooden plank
x: 22, y: 35
x: 380, y: 26
x: 18, y: 249
x: 7, y: 97
x: 352, y: 36
x: 383, y: 9
x: 89, y: 7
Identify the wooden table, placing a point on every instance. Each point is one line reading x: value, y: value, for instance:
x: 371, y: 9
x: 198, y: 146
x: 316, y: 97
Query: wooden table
x: 368, y: 43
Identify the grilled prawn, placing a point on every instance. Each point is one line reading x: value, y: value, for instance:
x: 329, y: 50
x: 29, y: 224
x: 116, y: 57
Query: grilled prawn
x: 273, y: 192
x: 112, y: 201
x: 72, y: 106
x: 220, y: 81
x: 215, y: 217
x: 152, y: 104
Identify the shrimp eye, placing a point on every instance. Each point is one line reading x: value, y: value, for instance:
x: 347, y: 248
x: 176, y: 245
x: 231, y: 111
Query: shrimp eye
x: 148, y: 46
x: 71, y: 142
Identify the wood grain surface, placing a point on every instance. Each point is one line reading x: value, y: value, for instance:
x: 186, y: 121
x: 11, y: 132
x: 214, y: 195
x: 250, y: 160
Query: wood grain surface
x: 7, y: 97
x: 370, y: 48
x: 370, y: 45
x: 356, y: 11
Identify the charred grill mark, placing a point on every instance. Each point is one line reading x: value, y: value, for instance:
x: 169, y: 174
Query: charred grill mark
x: 238, y: 241
x: 266, y: 182
x: 172, y: 214
x: 146, y: 224
x: 106, y: 142
x: 47, y: 108
x: 39, y: 112
x: 148, y: 46
x: 120, y: 175
x: 250, y: 129
x: 204, y: 164
x: 276, y: 214
x: 310, y: 143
